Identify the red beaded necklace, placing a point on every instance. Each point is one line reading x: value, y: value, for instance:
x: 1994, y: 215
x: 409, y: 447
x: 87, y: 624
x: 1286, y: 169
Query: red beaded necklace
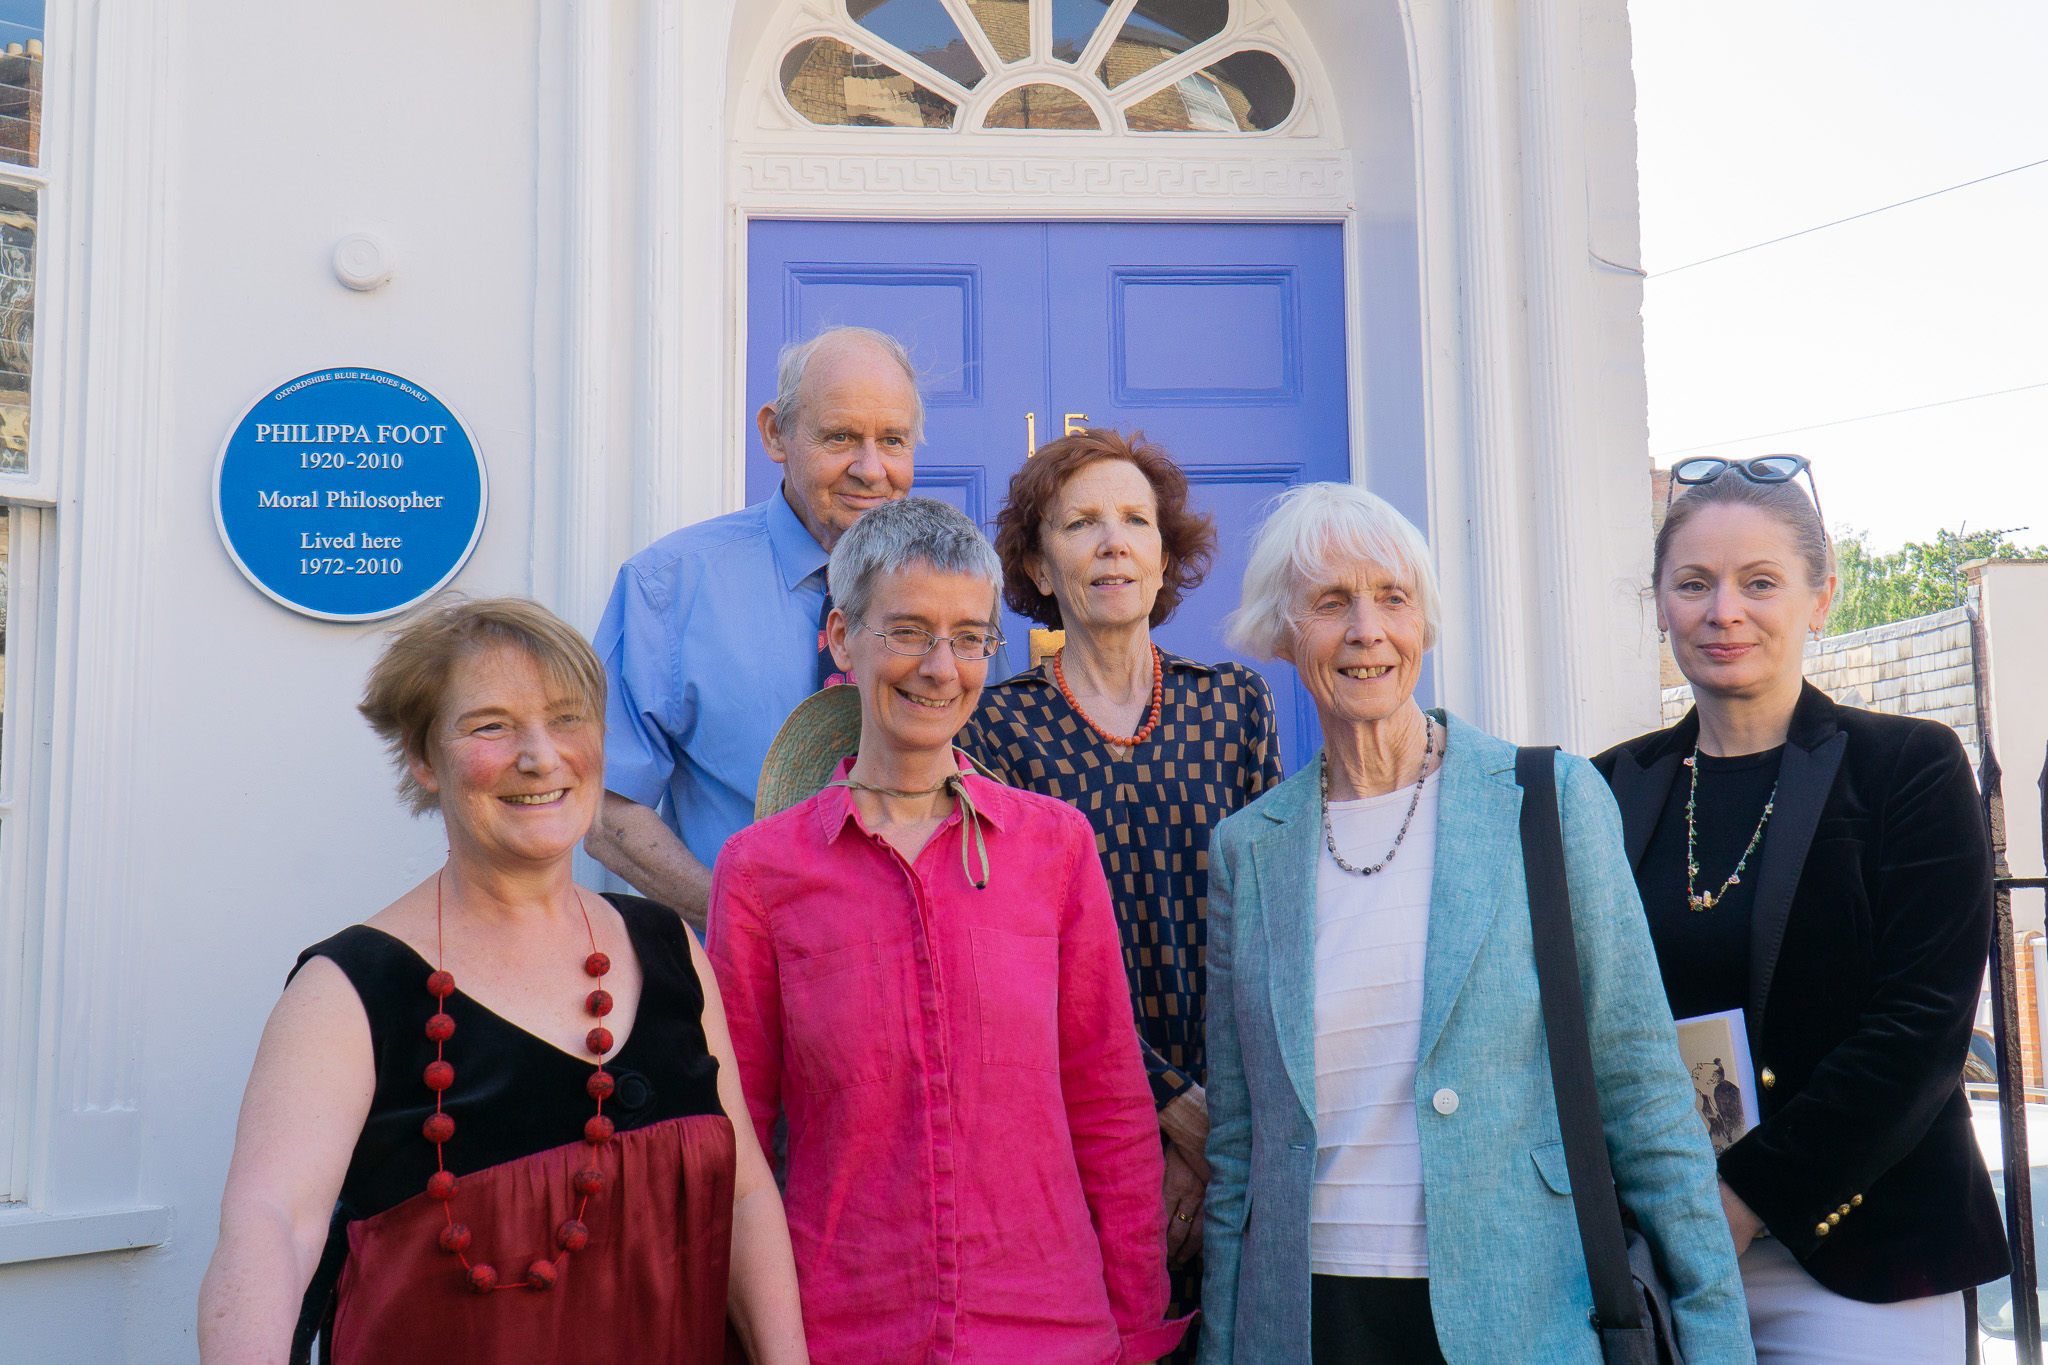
x: 572, y: 1235
x: 1158, y: 702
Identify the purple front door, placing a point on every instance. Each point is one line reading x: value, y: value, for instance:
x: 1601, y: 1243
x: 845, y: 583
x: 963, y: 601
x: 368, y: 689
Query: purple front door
x: 1223, y: 342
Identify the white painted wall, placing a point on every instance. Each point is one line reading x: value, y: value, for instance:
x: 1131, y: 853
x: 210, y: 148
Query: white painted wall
x: 555, y: 183
x: 265, y: 817
x: 2015, y: 607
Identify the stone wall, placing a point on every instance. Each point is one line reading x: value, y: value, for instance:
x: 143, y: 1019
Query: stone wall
x: 1918, y: 667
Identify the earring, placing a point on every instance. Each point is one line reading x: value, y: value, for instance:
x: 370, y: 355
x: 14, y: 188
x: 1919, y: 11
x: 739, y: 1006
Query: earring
x: 1663, y: 636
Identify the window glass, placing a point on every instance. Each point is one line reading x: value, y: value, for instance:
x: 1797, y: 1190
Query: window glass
x: 831, y: 83
x: 1158, y: 31
x: 21, y: 80
x: 1073, y: 23
x: 1007, y: 23
x: 17, y: 319
x: 1041, y: 106
x: 1246, y: 92
x: 925, y: 30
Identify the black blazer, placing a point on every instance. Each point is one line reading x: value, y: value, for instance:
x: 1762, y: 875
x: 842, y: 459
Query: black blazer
x: 1868, y: 940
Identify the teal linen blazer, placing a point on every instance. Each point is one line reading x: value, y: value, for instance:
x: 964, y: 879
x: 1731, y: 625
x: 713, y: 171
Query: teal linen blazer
x: 1507, y: 1277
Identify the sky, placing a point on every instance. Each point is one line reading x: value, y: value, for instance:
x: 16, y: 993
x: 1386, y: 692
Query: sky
x: 1757, y: 119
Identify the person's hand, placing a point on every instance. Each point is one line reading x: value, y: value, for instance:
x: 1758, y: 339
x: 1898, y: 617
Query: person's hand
x: 1185, y: 1120
x: 1743, y: 1224
x: 1182, y: 1193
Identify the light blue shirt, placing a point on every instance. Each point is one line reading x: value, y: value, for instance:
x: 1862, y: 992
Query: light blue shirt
x: 709, y: 641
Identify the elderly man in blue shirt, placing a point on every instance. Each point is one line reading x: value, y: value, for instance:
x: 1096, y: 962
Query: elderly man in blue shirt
x: 711, y: 637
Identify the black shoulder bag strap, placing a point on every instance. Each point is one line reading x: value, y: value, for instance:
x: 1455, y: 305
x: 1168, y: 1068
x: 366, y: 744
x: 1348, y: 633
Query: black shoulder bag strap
x: 1617, y: 1303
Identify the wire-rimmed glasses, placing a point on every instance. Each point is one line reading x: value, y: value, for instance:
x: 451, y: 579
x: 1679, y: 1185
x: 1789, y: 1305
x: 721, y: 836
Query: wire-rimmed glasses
x: 914, y: 642
x: 1762, y: 469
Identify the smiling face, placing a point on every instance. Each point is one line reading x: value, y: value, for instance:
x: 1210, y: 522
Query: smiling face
x: 518, y: 766
x: 1100, y: 555
x: 850, y: 446
x: 915, y: 705
x: 1736, y: 598
x: 1358, y: 642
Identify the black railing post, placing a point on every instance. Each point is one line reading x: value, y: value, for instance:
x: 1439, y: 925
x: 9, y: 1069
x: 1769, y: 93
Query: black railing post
x: 2005, y: 1015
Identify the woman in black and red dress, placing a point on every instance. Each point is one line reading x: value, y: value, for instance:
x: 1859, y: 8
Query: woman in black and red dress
x: 491, y: 1123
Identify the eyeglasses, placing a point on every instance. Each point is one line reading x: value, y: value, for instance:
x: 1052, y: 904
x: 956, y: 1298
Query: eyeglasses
x: 914, y: 643
x: 1763, y: 469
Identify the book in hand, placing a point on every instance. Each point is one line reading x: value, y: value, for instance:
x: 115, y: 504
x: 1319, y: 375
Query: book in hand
x: 1716, y: 1052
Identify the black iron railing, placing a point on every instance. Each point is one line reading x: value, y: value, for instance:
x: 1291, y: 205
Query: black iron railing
x: 2012, y: 1088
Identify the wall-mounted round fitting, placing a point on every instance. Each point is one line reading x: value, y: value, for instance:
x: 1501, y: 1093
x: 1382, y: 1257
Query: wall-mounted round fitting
x: 362, y: 261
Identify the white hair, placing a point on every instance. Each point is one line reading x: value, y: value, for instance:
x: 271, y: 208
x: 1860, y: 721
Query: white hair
x: 795, y: 361
x: 1315, y: 534
x: 903, y: 533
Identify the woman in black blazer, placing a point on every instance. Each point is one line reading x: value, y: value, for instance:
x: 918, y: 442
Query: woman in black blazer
x: 1827, y: 871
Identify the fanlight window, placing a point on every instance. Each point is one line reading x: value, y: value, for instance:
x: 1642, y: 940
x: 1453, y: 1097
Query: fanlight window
x: 1141, y: 66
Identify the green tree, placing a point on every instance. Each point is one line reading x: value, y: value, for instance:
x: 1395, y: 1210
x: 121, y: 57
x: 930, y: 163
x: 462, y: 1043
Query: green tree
x: 1915, y: 579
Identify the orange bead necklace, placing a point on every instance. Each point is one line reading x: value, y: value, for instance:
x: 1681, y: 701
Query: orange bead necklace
x: 573, y: 1235
x: 1158, y: 702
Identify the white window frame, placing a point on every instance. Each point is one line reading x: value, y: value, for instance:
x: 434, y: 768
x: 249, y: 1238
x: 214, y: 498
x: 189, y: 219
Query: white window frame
x: 71, y: 905
x: 27, y: 498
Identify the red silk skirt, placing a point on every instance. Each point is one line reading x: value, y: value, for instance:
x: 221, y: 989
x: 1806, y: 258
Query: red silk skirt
x: 650, y: 1286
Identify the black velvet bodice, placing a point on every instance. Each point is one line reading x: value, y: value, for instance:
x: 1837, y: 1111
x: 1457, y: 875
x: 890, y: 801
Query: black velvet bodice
x: 515, y: 1094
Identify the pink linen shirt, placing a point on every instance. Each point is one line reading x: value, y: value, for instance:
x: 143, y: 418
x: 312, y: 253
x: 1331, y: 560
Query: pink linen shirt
x: 974, y: 1159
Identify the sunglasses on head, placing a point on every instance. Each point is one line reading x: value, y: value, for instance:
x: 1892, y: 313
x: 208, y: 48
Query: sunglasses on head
x: 1762, y: 469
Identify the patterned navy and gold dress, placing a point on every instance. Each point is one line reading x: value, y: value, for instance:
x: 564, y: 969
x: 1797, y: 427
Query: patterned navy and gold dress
x: 1153, y: 812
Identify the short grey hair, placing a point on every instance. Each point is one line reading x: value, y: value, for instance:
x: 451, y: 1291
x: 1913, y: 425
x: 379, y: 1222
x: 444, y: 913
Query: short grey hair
x: 1316, y: 532
x: 898, y: 535
x: 795, y: 361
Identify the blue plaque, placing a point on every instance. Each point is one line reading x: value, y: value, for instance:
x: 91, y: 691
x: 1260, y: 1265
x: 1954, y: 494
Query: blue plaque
x: 350, y: 494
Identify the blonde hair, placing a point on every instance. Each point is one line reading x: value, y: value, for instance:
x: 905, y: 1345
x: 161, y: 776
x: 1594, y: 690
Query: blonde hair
x: 1314, y: 530
x: 402, y: 698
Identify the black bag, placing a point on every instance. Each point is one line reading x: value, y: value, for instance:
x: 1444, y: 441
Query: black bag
x: 1631, y: 1307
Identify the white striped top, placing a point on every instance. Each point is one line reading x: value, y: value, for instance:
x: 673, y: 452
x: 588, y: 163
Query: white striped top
x: 1366, y: 1213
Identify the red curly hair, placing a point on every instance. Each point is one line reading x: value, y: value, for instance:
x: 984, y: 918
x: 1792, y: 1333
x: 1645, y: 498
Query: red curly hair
x: 1188, y: 537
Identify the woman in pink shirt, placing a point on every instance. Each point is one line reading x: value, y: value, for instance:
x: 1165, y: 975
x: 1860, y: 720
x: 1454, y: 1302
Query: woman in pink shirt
x: 923, y: 976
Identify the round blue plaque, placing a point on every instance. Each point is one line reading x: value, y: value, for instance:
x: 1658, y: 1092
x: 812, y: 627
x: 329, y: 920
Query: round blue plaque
x: 350, y: 494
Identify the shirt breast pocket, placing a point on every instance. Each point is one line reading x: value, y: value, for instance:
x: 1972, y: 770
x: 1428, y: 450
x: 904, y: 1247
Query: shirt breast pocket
x: 832, y: 1017
x: 1017, y: 977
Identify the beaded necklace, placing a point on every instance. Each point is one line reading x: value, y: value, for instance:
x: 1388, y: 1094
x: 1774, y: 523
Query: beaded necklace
x: 1414, y: 803
x: 573, y: 1235
x: 1706, y: 901
x: 1158, y: 702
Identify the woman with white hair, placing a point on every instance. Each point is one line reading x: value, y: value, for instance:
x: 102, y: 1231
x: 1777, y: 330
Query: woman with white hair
x: 924, y: 978
x: 1390, y: 1182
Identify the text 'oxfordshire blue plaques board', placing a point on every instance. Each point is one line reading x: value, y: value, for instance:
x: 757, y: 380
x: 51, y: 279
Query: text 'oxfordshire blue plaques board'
x: 350, y: 494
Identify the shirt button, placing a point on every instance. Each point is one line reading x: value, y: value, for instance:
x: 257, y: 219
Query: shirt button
x: 1445, y: 1101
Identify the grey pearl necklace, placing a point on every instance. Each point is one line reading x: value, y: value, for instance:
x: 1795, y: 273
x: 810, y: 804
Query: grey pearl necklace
x: 1414, y: 803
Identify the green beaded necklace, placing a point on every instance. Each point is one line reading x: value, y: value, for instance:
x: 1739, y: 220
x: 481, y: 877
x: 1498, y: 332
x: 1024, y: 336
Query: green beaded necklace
x: 1707, y: 901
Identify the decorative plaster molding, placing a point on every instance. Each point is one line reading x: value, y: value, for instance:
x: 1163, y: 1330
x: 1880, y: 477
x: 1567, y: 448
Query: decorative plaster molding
x: 846, y: 182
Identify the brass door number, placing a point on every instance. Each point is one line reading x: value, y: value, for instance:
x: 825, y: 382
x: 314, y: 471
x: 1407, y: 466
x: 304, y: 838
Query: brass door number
x: 1073, y: 424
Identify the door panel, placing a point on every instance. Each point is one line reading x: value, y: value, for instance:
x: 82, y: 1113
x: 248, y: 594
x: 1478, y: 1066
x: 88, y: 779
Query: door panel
x: 1225, y: 343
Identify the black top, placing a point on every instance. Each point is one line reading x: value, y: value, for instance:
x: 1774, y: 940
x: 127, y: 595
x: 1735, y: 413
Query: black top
x: 1705, y: 953
x: 515, y: 1094
x: 1152, y: 812
x: 1869, y: 930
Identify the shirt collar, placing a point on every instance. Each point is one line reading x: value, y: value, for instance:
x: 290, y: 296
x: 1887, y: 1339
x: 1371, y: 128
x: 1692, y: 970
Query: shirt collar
x: 992, y: 801
x: 1172, y: 663
x: 797, y: 552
